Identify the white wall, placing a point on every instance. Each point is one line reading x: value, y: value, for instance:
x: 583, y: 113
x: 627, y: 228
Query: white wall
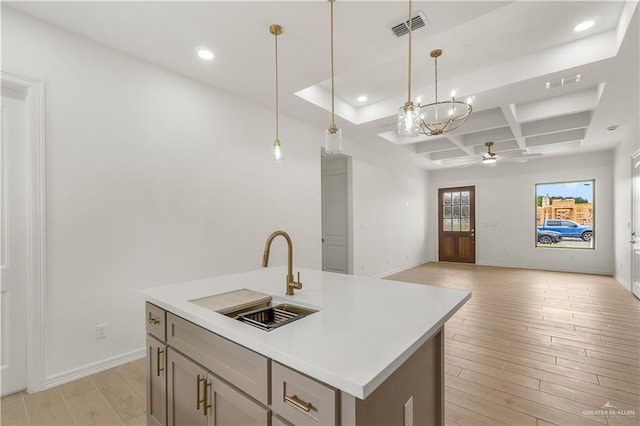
x: 390, y: 209
x: 153, y: 178
x: 622, y: 175
x: 505, y: 212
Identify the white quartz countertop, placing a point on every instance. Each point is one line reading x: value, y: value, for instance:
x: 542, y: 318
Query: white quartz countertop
x: 364, y: 328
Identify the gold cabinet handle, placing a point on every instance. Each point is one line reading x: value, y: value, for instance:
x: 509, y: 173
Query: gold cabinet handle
x: 207, y: 385
x: 297, y: 402
x: 152, y: 320
x: 198, y: 400
x: 159, y: 352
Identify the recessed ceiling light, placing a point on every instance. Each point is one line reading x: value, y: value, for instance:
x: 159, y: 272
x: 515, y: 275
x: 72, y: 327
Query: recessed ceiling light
x: 205, y: 54
x: 362, y: 98
x: 583, y: 26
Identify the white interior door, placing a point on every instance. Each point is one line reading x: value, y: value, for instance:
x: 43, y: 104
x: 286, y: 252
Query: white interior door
x: 635, y: 225
x: 14, y: 258
x: 335, y: 215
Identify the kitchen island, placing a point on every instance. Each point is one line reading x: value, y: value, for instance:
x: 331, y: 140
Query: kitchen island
x: 371, y: 354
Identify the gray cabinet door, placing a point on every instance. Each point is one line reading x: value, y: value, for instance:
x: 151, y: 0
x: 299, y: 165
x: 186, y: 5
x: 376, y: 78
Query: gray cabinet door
x: 231, y: 408
x: 186, y: 391
x: 156, y: 382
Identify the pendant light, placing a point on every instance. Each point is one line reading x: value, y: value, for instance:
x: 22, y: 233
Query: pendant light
x: 441, y: 117
x: 409, y: 114
x: 277, y: 151
x: 333, y: 135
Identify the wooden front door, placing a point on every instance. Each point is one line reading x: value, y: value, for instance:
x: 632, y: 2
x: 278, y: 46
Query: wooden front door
x: 456, y: 224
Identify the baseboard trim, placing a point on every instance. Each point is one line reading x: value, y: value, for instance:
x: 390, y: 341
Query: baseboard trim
x: 622, y: 282
x: 400, y: 269
x: 96, y: 367
x: 547, y: 268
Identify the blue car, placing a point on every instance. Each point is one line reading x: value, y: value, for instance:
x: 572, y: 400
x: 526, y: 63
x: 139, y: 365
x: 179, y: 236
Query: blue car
x: 568, y: 228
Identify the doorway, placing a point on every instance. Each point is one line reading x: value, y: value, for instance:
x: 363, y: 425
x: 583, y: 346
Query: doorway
x: 635, y: 224
x: 336, y: 214
x: 22, y: 235
x: 456, y: 224
x: 14, y: 256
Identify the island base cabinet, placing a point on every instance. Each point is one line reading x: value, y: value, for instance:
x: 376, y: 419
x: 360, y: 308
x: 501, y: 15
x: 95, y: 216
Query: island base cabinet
x: 231, y: 408
x: 196, y: 397
x: 421, y: 377
x: 186, y: 385
x: 156, y: 382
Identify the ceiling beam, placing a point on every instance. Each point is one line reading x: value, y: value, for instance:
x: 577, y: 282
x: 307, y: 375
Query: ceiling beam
x: 509, y: 115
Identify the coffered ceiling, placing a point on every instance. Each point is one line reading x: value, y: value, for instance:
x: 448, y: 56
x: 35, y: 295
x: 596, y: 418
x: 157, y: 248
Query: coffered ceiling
x: 540, y: 89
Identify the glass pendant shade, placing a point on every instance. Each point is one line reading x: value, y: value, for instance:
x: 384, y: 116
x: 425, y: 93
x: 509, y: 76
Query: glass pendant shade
x: 277, y: 153
x: 408, y: 120
x: 333, y: 140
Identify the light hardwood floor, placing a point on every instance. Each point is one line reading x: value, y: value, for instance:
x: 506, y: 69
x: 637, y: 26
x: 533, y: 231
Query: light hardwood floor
x: 112, y: 397
x: 529, y: 348
x: 538, y: 347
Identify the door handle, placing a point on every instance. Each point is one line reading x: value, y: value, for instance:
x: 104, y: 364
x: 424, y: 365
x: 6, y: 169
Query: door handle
x: 323, y: 240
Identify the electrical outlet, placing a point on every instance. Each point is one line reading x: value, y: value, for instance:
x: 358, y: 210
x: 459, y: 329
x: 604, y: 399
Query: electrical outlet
x: 101, y: 331
x: 408, y: 412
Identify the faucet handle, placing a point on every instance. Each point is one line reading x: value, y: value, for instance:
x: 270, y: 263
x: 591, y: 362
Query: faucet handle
x: 296, y: 284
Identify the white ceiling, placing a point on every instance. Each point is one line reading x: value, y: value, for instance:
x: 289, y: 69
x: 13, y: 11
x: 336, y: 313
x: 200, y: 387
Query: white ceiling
x: 501, y: 52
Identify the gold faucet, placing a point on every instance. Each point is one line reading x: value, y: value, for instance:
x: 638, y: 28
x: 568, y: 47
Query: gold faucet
x: 265, y: 261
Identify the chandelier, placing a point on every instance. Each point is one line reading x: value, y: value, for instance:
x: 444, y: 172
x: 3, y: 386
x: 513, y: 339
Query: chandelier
x: 441, y: 117
x: 431, y: 119
x: 333, y: 135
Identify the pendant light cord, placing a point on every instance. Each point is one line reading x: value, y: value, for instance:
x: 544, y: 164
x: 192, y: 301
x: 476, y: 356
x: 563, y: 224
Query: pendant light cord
x: 410, y: 50
x: 333, y: 87
x: 436, y: 74
x: 276, y: 38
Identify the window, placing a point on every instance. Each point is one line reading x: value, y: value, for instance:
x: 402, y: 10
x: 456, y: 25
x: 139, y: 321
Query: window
x: 564, y: 214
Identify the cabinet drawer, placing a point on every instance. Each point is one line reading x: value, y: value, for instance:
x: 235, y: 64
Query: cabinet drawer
x: 300, y: 399
x: 155, y: 319
x: 246, y: 369
x: 277, y: 421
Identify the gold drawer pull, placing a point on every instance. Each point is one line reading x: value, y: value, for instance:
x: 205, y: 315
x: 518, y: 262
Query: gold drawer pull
x: 152, y: 320
x: 293, y: 399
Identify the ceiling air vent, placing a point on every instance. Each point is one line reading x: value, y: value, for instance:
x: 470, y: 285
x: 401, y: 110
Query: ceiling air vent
x: 418, y: 21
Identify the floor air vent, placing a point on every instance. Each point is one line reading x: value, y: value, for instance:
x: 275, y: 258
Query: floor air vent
x: 418, y: 21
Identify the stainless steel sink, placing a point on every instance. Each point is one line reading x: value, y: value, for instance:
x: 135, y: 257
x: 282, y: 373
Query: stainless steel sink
x: 271, y: 317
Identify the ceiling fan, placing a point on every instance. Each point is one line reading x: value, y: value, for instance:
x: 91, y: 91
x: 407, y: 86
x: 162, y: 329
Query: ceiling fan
x: 490, y: 158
